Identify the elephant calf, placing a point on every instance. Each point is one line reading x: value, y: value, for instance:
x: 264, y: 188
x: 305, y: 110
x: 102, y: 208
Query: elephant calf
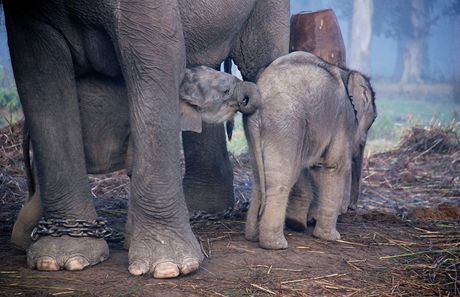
x: 205, y: 95
x: 306, y: 138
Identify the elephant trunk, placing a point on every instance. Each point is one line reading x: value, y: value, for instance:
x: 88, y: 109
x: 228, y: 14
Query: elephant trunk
x: 248, y: 97
x: 357, y: 164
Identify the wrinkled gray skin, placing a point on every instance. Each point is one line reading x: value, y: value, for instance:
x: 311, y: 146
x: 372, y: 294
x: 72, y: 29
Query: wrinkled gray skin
x: 307, y: 136
x: 141, y: 47
x: 205, y: 95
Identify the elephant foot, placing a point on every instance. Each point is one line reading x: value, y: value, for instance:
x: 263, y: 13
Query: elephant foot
x: 69, y: 253
x: 251, y: 233
x: 273, y: 242
x: 326, y: 233
x: 211, y: 197
x: 165, y: 254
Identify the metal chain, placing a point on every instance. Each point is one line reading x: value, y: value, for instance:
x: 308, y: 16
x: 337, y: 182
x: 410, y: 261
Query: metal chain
x: 72, y: 227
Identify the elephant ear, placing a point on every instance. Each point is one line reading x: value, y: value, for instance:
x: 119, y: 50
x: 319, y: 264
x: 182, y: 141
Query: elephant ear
x: 191, y: 97
x: 190, y: 118
x: 361, y: 97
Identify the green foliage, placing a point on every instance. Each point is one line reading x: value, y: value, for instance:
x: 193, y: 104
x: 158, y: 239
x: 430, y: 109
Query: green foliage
x: 10, y: 108
x: 9, y: 99
x: 238, y: 144
x: 8, y: 95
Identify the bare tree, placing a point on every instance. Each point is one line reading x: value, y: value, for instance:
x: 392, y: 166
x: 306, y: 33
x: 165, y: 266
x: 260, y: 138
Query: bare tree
x: 415, y: 43
x: 361, y: 35
x: 410, y: 22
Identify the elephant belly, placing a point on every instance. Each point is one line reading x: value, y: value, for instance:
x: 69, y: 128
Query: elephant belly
x: 100, y: 52
x: 105, y: 122
x: 211, y: 28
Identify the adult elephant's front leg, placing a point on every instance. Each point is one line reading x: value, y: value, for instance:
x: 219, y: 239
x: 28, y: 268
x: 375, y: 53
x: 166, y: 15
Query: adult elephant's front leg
x: 208, y: 180
x: 151, y: 49
x: 45, y: 79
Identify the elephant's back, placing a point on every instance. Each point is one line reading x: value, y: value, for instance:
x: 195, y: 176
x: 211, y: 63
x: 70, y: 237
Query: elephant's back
x: 303, y: 78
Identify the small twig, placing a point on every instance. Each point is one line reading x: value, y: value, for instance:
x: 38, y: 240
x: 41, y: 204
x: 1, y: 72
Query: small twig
x: 387, y: 182
x: 288, y: 269
x: 329, y: 276
x: 333, y: 286
x: 263, y: 289
x: 428, y: 150
x: 270, y: 269
x: 419, y: 253
x: 312, y: 278
x: 41, y: 287
x: 203, y: 250
x: 352, y: 265
x: 315, y: 252
x: 209, y: 247
x: 63, y: 293
x: 230, y: 246
x: 352, y: 243
x: 219, y: 294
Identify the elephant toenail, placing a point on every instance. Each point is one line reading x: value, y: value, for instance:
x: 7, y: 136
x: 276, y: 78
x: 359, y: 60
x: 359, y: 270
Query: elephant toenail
x: 47, y: 264
x: 76, y: 263
x: 166, y: 270
x: 138, y: 268
x: 189, y: 266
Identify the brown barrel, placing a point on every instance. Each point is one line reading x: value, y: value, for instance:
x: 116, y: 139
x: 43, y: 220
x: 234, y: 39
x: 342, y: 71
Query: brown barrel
x: 318, y: 33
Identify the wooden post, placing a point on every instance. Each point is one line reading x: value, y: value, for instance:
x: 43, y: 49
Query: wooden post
x: 318, y: 33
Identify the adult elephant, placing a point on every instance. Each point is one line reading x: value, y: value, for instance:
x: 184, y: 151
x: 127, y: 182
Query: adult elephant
x: 140, y: 44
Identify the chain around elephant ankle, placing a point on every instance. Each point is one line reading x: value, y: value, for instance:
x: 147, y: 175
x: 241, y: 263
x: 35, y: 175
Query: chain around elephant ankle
x: 72, y: 227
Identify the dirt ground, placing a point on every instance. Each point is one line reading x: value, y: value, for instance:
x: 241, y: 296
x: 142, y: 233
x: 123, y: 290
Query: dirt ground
x: 403, y: 240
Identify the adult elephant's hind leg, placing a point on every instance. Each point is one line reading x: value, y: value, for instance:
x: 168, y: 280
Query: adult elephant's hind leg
x: 208, y: 180
x: 45, y: 80
x: 151, y: 49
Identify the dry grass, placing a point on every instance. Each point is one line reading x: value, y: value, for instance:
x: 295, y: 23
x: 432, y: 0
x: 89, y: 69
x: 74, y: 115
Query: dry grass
x: 414, y: 188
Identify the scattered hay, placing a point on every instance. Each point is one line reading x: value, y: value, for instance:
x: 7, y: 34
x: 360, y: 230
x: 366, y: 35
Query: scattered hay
x: 13, y: 183
x: 422, y: 173
x: 11, y: 157
x: 443, y: 211
x: 418, y: 183
x: 439, y: 140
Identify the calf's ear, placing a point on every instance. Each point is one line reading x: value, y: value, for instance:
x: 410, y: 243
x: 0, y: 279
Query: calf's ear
x: 360, y: 93
x: 190, y: 118
x: 191, y: 89
x: 191, y: 97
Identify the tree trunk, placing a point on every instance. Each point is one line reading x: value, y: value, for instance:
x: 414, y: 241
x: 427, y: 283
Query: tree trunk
x: 361, y: 35
x: 415, y: 45
x: 398, y: 70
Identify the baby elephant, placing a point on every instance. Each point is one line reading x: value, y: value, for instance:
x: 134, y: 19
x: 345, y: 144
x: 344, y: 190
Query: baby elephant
x: 307, y: 136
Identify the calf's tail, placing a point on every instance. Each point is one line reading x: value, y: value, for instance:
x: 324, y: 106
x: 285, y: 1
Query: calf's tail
x: 230, y: 124
x: 252, y: 131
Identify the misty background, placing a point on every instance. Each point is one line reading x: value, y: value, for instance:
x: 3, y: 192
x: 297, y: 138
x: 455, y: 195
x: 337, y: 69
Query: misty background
x: 409, y: 48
